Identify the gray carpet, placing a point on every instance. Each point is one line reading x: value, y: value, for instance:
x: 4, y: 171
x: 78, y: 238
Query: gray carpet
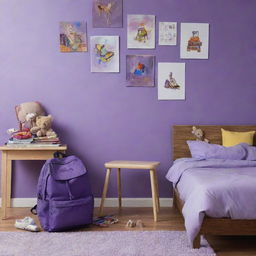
x: 100, y: 243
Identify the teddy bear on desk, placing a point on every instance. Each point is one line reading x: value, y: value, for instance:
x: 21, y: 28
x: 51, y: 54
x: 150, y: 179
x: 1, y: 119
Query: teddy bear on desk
x: 32, y: 119
x: 43, y: 128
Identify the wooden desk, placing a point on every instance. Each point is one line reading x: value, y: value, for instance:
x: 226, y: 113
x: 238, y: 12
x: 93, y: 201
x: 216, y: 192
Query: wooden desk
x: 20, y: 153
x: 142, y: 165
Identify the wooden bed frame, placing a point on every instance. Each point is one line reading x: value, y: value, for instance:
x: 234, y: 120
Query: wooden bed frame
x: 210, y: 226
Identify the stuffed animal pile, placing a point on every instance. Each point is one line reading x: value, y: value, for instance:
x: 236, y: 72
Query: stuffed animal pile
x: 33, y: 122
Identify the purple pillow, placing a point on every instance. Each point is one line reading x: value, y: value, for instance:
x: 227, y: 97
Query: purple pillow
x: 203, y: 150
x: 250, y: 152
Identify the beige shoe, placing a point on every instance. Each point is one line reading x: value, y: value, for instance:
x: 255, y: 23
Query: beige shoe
x: 26, y: 224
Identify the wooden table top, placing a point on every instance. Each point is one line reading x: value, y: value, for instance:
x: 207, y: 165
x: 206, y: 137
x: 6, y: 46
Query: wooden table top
x: 132, y: 164
x: 31, y: 147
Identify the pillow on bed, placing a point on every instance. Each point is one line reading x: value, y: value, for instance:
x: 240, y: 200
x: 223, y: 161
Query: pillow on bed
x: 203, y: 150
x: 230, y: 138
x: 250, y: 152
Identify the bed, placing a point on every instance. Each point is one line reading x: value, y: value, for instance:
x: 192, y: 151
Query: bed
x: 210, y: 226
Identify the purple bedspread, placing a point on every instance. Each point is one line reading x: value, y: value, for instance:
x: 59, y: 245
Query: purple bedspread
x: 216, y: 187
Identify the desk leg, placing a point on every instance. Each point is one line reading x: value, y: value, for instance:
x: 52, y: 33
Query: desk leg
x: 119, y: 188
x: 4, y: 184
x: 105, y: 189
x: 157, y: 192
x: 9, y: 182
x: 153, y: 188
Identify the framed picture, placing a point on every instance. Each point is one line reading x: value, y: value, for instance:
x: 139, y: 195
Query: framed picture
x: 167, y: 33
x: 73, y: 37
x: 171, y: 81
x: 141, y: 31
x: 107, y: 13
x: 140, y: 70
x: 104, y: 53
x: 194, y: 40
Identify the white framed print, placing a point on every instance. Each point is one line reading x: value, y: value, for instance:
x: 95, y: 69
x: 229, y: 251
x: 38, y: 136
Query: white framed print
x: 194, y: 40
x: 141, y: 31
x: 104, y: 53
x: 171, y: 81
x: 167, y: 33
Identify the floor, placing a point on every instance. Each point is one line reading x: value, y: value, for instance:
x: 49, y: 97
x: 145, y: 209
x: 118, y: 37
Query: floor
x: 169, y: 219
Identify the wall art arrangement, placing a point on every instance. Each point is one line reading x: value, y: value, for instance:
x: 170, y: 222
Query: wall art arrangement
x: 140, y: 70
x: 171, y: 81
x: 73, y: 37
x: 167, y: 33
x: 141, y: 31
x: 107, y: 13
x: 194, y: 40
x: 104, y: 53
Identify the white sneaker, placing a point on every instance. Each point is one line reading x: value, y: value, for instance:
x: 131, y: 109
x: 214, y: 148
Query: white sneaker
x: 27, y: 224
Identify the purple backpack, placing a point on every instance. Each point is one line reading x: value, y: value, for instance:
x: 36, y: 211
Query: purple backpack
x: 64, y: 197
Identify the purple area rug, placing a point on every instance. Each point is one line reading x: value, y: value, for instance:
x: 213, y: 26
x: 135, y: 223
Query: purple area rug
x: 106, y: 243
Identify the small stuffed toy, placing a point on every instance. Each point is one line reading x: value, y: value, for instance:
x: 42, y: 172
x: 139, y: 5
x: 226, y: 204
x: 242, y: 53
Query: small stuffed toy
x: 43, y: 127
x: 31, y: 119
x: 26, y: 113
x: 199, y: 134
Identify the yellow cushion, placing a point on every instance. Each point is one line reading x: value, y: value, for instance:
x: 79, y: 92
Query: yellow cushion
x: 230, y: 139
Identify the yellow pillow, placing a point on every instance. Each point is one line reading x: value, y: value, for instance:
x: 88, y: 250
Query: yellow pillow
x: 230, y: 139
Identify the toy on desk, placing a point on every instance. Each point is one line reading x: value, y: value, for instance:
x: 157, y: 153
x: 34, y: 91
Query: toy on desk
x: 199, y: 134
x: 27, y: 112
x: 34, y: 127
x: 43, y: 127
x: 22, y: 135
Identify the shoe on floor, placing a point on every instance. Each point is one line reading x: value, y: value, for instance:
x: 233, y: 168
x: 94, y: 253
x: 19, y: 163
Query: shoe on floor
x: 27, y: 224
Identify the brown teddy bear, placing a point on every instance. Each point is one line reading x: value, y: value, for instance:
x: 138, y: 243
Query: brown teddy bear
x: 43, y: 127
x: 199, y: 134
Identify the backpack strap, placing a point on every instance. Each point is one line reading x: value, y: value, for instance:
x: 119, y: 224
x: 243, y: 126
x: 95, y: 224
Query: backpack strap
x: 33, y: 210
x: 59, y: 154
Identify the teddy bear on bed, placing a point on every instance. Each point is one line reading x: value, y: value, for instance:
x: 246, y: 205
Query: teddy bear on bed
x: 43, y: 127
x: 199, y: 134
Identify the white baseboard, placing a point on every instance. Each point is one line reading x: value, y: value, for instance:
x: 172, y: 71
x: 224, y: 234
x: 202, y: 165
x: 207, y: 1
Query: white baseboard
x: 109, y: 202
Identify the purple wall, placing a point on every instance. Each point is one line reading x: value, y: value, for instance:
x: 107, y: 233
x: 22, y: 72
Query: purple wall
x: 95, y: 114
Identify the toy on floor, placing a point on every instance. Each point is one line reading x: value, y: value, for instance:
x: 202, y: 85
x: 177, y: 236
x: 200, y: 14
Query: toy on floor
x: 105, y: 221
x: 134, y: 223
x: 199, y: 134
x: 27, y: 224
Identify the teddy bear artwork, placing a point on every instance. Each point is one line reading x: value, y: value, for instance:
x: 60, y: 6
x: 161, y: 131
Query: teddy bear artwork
x: 35, y: 127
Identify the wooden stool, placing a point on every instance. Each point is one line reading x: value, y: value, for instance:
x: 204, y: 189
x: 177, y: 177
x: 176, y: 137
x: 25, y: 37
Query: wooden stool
x: 132, y: 165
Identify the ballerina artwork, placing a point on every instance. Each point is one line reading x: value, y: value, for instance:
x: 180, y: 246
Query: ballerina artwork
x: 107, y: 13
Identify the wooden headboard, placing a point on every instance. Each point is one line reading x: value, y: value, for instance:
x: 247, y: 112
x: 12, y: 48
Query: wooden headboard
x: 182, y: 133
